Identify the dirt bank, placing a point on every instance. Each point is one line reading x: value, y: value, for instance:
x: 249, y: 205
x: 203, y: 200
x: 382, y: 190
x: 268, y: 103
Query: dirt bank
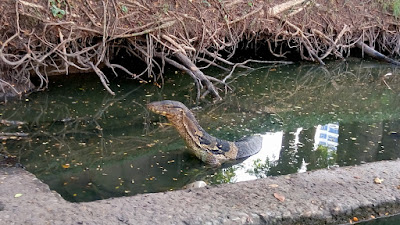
x: 61, y: 37
x: 325, y: 196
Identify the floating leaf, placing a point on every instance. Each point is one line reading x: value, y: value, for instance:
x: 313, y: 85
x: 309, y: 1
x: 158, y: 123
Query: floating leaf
x: 336, y: 106
x: 66, y: 166
x: 279, y: 197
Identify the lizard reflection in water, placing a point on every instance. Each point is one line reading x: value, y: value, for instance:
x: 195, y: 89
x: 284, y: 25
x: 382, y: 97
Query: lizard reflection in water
x: 209, y: 149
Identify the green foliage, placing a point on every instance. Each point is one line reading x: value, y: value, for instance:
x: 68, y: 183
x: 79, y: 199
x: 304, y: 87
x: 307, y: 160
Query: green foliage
x: 206, y: 3
x: 260, y: 169
x: 55, y: 7
x: 323, y: 157
x: 396, y: 8
x: 165, y: 8
x: 124, y: 8
x: 250, y: 3
x: 223, y: 176
x: 391, y: 5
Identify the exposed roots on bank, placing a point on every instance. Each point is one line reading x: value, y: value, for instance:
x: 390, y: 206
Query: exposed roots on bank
x: 78, y: 36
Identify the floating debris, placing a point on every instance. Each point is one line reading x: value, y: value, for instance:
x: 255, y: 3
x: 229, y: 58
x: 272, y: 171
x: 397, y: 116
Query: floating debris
x: 66, y: 166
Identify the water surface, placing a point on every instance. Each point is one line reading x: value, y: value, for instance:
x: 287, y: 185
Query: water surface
x: 88, y: 145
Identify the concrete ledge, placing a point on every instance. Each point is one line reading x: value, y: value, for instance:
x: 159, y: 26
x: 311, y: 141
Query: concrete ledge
x: 324, y: 196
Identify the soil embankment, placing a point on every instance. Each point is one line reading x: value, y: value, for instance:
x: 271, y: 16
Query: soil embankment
x: 61, y: 37
x: 340, y: 195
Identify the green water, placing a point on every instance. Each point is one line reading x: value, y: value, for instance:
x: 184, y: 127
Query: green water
x: 391, y: 220
x: 88, y: 145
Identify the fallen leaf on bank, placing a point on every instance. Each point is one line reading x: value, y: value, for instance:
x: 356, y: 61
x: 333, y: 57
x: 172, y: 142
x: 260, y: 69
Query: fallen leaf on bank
x: 273, y: 185
x: 279, y: 197
x: 355, y: 219
x: 17, y: 195
x: 377, y: 180
x: 398, y: 187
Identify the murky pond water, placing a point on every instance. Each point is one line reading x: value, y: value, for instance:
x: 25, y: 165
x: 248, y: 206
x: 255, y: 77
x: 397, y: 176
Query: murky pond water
x: 88, y: 145
x: 389, y: 220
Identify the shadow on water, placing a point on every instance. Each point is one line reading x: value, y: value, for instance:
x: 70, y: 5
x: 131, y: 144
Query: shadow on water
x: 88, y: 145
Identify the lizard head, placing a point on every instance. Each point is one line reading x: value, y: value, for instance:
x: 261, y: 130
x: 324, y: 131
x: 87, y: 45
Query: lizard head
x: 167, y: 108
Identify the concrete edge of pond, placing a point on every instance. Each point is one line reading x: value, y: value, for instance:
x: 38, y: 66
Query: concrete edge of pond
x: 329, y: 196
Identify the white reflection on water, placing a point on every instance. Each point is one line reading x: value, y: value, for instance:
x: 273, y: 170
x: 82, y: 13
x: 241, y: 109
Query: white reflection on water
x: 325, y: 135
x: 271, y: 148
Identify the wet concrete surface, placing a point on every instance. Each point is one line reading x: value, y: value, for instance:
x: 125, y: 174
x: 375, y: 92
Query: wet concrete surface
x: 330, y: 196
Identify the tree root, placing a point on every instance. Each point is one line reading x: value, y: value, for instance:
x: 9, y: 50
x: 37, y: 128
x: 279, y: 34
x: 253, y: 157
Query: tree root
x: 12, y: 122
x: 375, y: 54
x: 200, y: 75
x: 177, y: 65
x: 274, y: 11
x: 254, y: 61
x: 13, y: 83
x: 180, y: 33
x: 13, y: 136
x: 102, y: 77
